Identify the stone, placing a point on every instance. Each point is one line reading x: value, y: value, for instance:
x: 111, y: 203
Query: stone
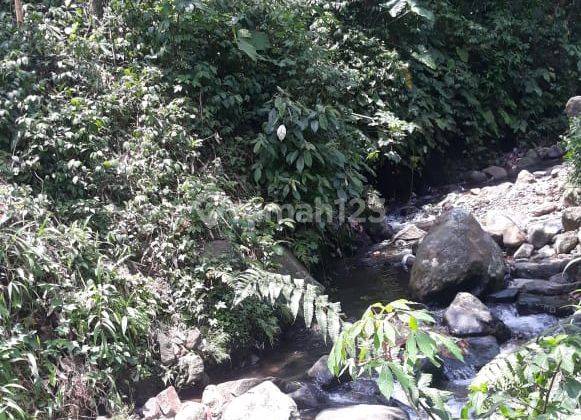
x: 565, y: 242
x: 544, y: 209
x: 542, y: 233
x: 502, y: 228
x: 363, y: 412
x: 291, y: 266
x: 529, y: 303
x: 531, y: 158
x: 410, y: 233
x: 572, y: 197
x: 571, y: 218
x: 467, y: 316
x: 150, y: 409
x: 513, y: 237
x: 573, y: 106
x: 525, y: 177
x: 539, y: 269
x: 572, y: 271
x: 555, y: 152
x: 476, y: 177
x: 219, y: 248
x: 191, y: 410
x: 166, y: 349
x: 169, y: 402
x: 544, y: 287
x: 264, y: 401
x: 320, y: 372
x: 478, y: 351
x: 379, y: 230
x: 524, y: 251
x: 540, y: 174
x: 309, y: 396
x: 216, y: 397
x: 496, y: 172
x: 508, y: 295
x: 193, y: 339
x: 544, y: 253
x: 456, y: 255
x: 193, y: 366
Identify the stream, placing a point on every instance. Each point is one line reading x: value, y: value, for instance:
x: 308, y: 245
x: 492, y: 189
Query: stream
x: 358, y: 282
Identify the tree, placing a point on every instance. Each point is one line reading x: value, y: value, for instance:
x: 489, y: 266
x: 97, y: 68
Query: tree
x: 19, y: 12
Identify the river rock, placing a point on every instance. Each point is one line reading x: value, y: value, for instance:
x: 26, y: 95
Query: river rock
x: 544, y: 287
x: 456, y: 255
x: 478, y: 352
x: 572, y: 271
x: 169, y: 402
x: 309, y: 396
x: 476, y: 177
x: 572, y: 197
x: 150, y: 409
x: 525, y: 177
x: 504, y: 296
x: 192, y: 366
x: 468, y: 316
x: 503, y: 230
x: 291, y: 266
x: 571, y: 218
x: 513, y: 237
x: 216, y: 397
x: 524, y: 251
x: 191, y: 410
x: 166, y: 349
x: 320, y: 372
x: 410, y: 233
x: 573, y: 107
x: 545, y: 252
x: 542, y: 233
x: 565, y: 242
x: 539, y: 269
x: 264, y: 401
x: 363, y: 412
x: 496, y: 172
x: 378, y: 230
x: 529, y: 303
x: 544, y: 209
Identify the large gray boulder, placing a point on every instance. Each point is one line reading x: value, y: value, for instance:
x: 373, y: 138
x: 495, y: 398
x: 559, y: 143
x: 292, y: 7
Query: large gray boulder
x: 363, y: 412
x: 264, y: 402
x: 467, y: 316
x: 573, y: 107
x: 456, y: 255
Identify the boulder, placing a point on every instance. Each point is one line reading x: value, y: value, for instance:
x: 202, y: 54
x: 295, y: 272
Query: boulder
x: 169, y: 402
x: 503, y: 230
x: 496, y: 172
x: 565, y: 242
x: 529, y: 303
x: 456, y: 255
x: 166, y: 349
x: 192, y: 366
x: 363, y: 412
x: 476, y: 177
x: 513, y: 237
x: 531, y: 158
x: 478, y: 351
x: 572, y: 197
x: 309, y: 396
x: 264, y: 401
x: 467, y: 316
x: 191, y: 410
x: 410, y: 233
x: 544, y: 209
x: 193, y: 339
x: 571, y: 218
x: 379, y: 230
x: 216, y: 397
x: 291, y: 266
x: 539, y: 269
x: 524, y: 251
x: 542, y: 233
x: 573, y: 107
x: 320, y: 372
x: 150, y: 409
x: 544, y: 253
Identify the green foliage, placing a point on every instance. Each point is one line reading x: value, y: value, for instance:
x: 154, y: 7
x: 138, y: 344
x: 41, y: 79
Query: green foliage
x: 540, y: 380
x: 573, y: 141
x: 389, y: 342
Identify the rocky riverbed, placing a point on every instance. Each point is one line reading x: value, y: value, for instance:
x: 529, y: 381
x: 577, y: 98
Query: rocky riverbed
x: 490, y: 257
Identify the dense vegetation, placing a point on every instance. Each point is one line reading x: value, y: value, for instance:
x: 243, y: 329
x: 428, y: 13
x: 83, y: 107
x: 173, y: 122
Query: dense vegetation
x: 129, y: 142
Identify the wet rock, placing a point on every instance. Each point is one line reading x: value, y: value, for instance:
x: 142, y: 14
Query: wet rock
x: 529, y: 303
x: 508, y: 295
x: 524, y: 251
x: 468, y: 316
x: 378, y: 231
x: 309, y: 396
x: 544, y: 287
x: 479, y: 351
x: 565, y: 242
x: 264, y: 401
x: 410, y: 233
x: 169, y: 402
x: 363, y: 412
x: 476, y: 177
x: 496, y: 172
x: 540, y: 234
x: 150, y: 409
x: 525, y: 177
x: 456, y: 255
x: 544, y: 209
x: 408, y: 260
x: 571, y: 218
x: 539, y: 269
x: 573, y: 107
x: 531, y: 158
x: 320, y: 373
x: 191, y: 410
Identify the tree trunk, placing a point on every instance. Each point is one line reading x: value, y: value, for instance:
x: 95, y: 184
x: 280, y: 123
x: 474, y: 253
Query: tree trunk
x: 19, y: 12
x: 96, y: 8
